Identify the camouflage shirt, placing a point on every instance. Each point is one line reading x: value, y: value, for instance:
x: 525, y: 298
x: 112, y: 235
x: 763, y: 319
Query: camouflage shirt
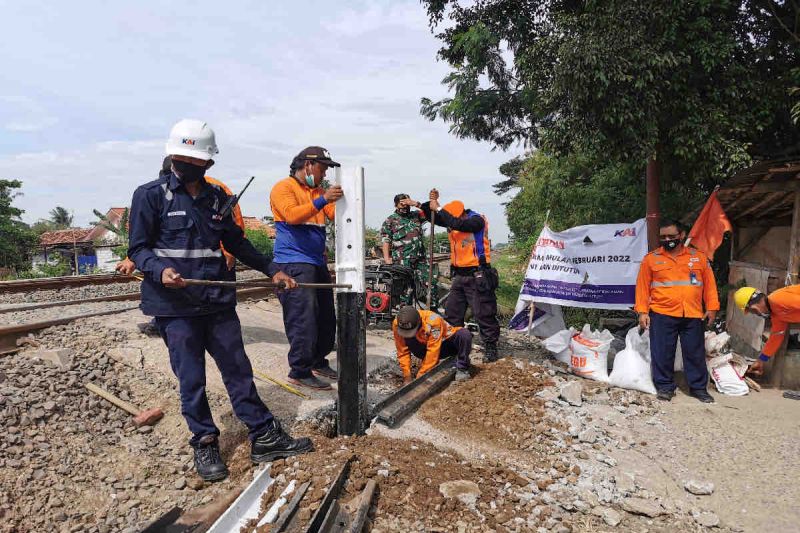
x: 404, y: 233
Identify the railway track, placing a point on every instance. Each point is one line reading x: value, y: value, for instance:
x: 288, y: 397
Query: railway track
x: 28, y: 285
x: 10, y: 334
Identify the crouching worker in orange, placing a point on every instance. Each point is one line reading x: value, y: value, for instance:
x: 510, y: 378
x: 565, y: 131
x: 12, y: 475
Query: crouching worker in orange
x: 782, y: 307
x: 429, y: 337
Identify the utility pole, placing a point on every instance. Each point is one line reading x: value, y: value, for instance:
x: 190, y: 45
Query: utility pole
x: 653, y: 190
x: 351, y: 316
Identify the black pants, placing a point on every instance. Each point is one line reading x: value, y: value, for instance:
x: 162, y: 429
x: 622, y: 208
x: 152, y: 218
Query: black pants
x: 463, y: 293
x: 309, y: 318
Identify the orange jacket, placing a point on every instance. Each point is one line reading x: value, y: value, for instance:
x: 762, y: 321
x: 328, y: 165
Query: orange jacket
x: 433, y: 331
x: 299, y: 212
x: 237, y: 211
x: 784, y: 306
x: 676, y: 286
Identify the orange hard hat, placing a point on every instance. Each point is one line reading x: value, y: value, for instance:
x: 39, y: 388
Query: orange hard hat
x: 455, y: 208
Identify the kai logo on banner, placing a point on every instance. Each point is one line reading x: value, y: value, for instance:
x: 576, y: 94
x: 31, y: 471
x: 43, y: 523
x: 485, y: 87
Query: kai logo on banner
x: 587, y: 266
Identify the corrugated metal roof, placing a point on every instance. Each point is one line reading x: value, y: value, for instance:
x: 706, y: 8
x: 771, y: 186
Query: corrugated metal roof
x: 64, y: 236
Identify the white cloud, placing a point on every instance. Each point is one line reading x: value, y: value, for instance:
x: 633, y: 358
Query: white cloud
x: 270, y: 78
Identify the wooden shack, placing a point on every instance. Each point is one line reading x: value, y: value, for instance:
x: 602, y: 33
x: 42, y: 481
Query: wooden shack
x: 763, y: 204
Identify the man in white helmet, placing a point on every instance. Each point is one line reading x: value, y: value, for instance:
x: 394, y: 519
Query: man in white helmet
x: 176, y: 232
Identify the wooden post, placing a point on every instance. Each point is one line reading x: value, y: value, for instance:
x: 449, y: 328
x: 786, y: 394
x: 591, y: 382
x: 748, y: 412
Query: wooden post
x: 778, y: 360
x: 653, y: 191
x: 351, y: 318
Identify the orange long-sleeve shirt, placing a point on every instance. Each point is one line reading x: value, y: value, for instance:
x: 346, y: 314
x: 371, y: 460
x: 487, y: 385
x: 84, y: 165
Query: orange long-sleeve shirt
x: 676, y: 286
x: 784, y: 306
x: 433, y: 332
x: 299, y: 212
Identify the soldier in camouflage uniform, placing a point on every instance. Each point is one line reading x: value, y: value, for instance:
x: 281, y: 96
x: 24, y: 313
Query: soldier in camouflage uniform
x: 403, y: 243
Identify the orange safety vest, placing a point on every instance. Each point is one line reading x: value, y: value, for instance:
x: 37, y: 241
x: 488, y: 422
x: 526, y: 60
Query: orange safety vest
x: 433, y: 331
x: 466, y: 248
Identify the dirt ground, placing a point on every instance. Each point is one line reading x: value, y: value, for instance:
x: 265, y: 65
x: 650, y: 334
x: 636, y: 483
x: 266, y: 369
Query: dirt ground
x: 615, y: 460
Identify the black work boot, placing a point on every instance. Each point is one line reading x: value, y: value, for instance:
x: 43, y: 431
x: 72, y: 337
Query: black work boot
x: 277, y: 444
x: 490, y: 352
x: 207, y: 459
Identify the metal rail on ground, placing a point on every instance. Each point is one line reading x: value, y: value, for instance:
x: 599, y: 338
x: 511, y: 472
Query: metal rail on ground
x: 10, y: 334
x: 397, y: 406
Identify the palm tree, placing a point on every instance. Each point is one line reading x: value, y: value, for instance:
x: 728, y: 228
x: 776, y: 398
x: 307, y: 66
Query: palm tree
x: 61, y: 218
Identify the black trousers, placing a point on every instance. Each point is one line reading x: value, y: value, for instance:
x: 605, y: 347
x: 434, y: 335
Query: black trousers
x: 309, y: 318
x: 464, y: 293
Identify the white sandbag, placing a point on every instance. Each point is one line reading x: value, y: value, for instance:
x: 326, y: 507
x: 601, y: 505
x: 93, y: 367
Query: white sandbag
x: 632, y: 365
x: 728, y: 381
x: 559, y: 344
x: 589, y: 353
x: 716, y: 342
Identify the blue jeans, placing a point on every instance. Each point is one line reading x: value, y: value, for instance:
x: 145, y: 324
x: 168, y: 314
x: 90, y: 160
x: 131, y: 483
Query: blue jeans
x: 187, y: 339
x: 664, y: 333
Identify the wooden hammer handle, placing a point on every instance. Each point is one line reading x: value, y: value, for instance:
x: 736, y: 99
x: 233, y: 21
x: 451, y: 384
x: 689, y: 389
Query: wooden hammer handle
x: 122, y: 404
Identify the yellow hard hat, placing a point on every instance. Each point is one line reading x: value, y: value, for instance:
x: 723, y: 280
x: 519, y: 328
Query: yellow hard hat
x: 742, y: 297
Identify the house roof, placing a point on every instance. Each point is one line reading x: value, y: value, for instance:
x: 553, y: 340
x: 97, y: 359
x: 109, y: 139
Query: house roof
x: 114, y: 215
x: 64, y: 236
x: 254, y: 223
x: 762, y: 193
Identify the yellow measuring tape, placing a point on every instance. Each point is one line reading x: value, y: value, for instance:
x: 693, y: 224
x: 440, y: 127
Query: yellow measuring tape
x: 280, y: 383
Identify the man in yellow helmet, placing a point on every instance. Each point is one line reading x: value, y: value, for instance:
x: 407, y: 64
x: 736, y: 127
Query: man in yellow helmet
x: 782, y: 307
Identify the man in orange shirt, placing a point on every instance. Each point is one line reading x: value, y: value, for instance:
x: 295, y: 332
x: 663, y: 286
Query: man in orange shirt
x: 782, y: 307
x: 673, y: 285
x: 429, y: 337
x: 300, y: 208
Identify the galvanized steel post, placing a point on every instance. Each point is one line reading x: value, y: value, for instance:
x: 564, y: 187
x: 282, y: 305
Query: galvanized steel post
x: 351, y: 318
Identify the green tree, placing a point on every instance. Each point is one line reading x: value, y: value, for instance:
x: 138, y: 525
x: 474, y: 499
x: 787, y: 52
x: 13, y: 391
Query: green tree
x: 61, y: 218
x: 120, y: 230
x: 261, y: 241
x: 701, y: 85
x: 17, y: 241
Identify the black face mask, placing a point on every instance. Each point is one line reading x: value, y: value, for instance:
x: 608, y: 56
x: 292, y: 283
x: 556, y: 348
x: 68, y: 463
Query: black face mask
x: 187, y: 172
x: 670, y: 244
x: 404, y: 210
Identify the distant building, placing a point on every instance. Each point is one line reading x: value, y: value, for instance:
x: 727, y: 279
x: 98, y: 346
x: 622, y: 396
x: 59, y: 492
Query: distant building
x: 71, y: 245
x: 105, y: 241
x: 255, y: 223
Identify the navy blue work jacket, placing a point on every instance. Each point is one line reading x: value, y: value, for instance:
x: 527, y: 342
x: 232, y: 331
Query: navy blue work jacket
x: 169, y: 228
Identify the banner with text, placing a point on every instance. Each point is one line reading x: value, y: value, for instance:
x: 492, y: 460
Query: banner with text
x: 587, y: 266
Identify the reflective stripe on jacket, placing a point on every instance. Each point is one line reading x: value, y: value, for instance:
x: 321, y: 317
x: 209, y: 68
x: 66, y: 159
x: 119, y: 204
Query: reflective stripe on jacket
x: 466, y: 248
x: 676, y: 286
x: 299, y: 213
x: 784, y: 306
x: 169, y: 228
x: 433, y: 331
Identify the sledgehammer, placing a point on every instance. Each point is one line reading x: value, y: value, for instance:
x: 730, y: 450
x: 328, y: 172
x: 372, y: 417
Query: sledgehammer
x: 140, y: 418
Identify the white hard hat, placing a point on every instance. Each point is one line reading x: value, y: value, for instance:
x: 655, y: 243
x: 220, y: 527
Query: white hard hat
x: 192, y: 138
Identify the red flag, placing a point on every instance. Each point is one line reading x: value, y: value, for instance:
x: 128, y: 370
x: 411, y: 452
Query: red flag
x: 710, y: 227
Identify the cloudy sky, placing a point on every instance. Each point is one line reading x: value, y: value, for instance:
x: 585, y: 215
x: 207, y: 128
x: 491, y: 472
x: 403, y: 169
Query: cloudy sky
x: 89, y: 91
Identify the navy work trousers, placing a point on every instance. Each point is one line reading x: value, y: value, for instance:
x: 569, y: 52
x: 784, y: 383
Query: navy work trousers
x: 459, y: 344
x: 309, y: 319
x: 464, y: 292
x: 664, y: 333
x: 187, y: 339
